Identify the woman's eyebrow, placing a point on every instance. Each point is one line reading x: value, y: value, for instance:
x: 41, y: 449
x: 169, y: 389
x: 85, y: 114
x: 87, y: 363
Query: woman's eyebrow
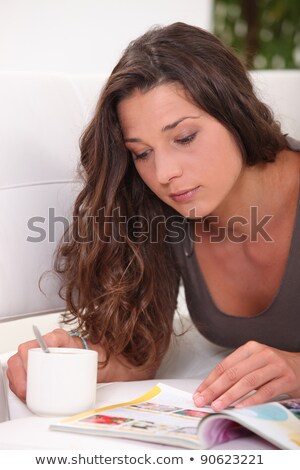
x: 166, y: 128
x: 175, y: 123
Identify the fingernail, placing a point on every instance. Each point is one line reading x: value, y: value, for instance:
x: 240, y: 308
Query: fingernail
x: 199, y: 399
x: 217, y: 405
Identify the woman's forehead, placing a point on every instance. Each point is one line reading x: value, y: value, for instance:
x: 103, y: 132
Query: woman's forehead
x: 162, y: 105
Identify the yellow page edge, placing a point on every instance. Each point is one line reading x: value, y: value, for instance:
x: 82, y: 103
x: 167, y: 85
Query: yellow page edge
x: 147, y: 396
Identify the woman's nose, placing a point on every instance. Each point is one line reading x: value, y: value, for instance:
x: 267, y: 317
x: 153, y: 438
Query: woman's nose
x: 167, y: 167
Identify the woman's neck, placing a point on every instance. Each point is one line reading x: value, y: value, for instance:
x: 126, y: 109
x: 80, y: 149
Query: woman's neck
x: 264, y: 191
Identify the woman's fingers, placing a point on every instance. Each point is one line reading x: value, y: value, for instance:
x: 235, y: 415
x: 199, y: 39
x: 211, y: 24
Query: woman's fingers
x: 17, y: 376
x: 265, y: 393
x: 257, y: 368
x: 247, y: 383
x: 226, y: 374
x: 23, y: 351
x: 229, y: 364
x: 17, y: 364
x: 233, y: 383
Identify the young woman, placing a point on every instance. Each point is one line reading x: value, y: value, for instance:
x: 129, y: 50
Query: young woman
x: 186, y: 175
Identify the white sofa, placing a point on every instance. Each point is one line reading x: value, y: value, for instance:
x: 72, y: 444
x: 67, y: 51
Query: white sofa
x: 42, y: 117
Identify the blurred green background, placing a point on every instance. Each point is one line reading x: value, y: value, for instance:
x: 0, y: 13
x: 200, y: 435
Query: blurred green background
x: 265, y: 34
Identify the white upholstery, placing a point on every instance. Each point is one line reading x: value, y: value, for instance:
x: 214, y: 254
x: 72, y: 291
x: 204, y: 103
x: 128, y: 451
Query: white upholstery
x: 41, y: 118
x: 280, y: 89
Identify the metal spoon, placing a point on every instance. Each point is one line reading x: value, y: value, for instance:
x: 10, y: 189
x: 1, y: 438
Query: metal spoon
x: 40, y: 339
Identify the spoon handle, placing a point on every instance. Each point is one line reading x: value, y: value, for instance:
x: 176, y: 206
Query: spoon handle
x: 40, y: 339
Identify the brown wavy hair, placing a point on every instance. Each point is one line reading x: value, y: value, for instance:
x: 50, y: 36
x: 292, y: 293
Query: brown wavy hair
x: 123, y: 291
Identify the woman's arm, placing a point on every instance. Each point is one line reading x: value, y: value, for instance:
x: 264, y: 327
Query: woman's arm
x: 118, y: 369
x: 253, y: 367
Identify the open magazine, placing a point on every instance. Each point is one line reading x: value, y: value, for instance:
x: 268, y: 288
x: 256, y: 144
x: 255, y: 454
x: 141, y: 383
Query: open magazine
x: 167, y: 415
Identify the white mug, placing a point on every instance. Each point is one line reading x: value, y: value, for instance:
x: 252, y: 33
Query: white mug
x: 62, y: 382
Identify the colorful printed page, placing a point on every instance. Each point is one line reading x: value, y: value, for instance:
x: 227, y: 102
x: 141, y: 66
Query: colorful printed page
x: 168, y: 416
x: 279, y: 423
x: 164, y: 414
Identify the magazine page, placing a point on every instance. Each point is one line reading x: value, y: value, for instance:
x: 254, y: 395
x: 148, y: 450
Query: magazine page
x: 164, y: 414
x: 277, y: 422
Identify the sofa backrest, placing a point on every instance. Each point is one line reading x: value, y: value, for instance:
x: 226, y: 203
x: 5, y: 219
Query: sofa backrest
x: 41, y: 119
x: 280, y: 89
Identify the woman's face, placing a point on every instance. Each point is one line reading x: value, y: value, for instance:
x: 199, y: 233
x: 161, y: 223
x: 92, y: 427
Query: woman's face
x: 185, y: 156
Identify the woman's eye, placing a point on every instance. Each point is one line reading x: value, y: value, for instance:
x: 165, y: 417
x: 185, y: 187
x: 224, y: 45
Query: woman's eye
x: 186, y: 140
x: 140, y: 156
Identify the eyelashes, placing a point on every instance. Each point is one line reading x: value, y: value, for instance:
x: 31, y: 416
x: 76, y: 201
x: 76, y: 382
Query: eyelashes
x: 183, y: 141
x: 140, y: 156
x: 186, y: 140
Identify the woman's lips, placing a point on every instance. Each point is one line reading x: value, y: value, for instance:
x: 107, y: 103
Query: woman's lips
x: 185, y: 195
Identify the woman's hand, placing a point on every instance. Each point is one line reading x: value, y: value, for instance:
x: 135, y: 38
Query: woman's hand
x: 17, y: 364
x: 254, y: 367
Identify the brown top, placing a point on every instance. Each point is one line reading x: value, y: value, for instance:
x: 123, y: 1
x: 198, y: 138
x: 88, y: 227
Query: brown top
x: 278, y: 325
